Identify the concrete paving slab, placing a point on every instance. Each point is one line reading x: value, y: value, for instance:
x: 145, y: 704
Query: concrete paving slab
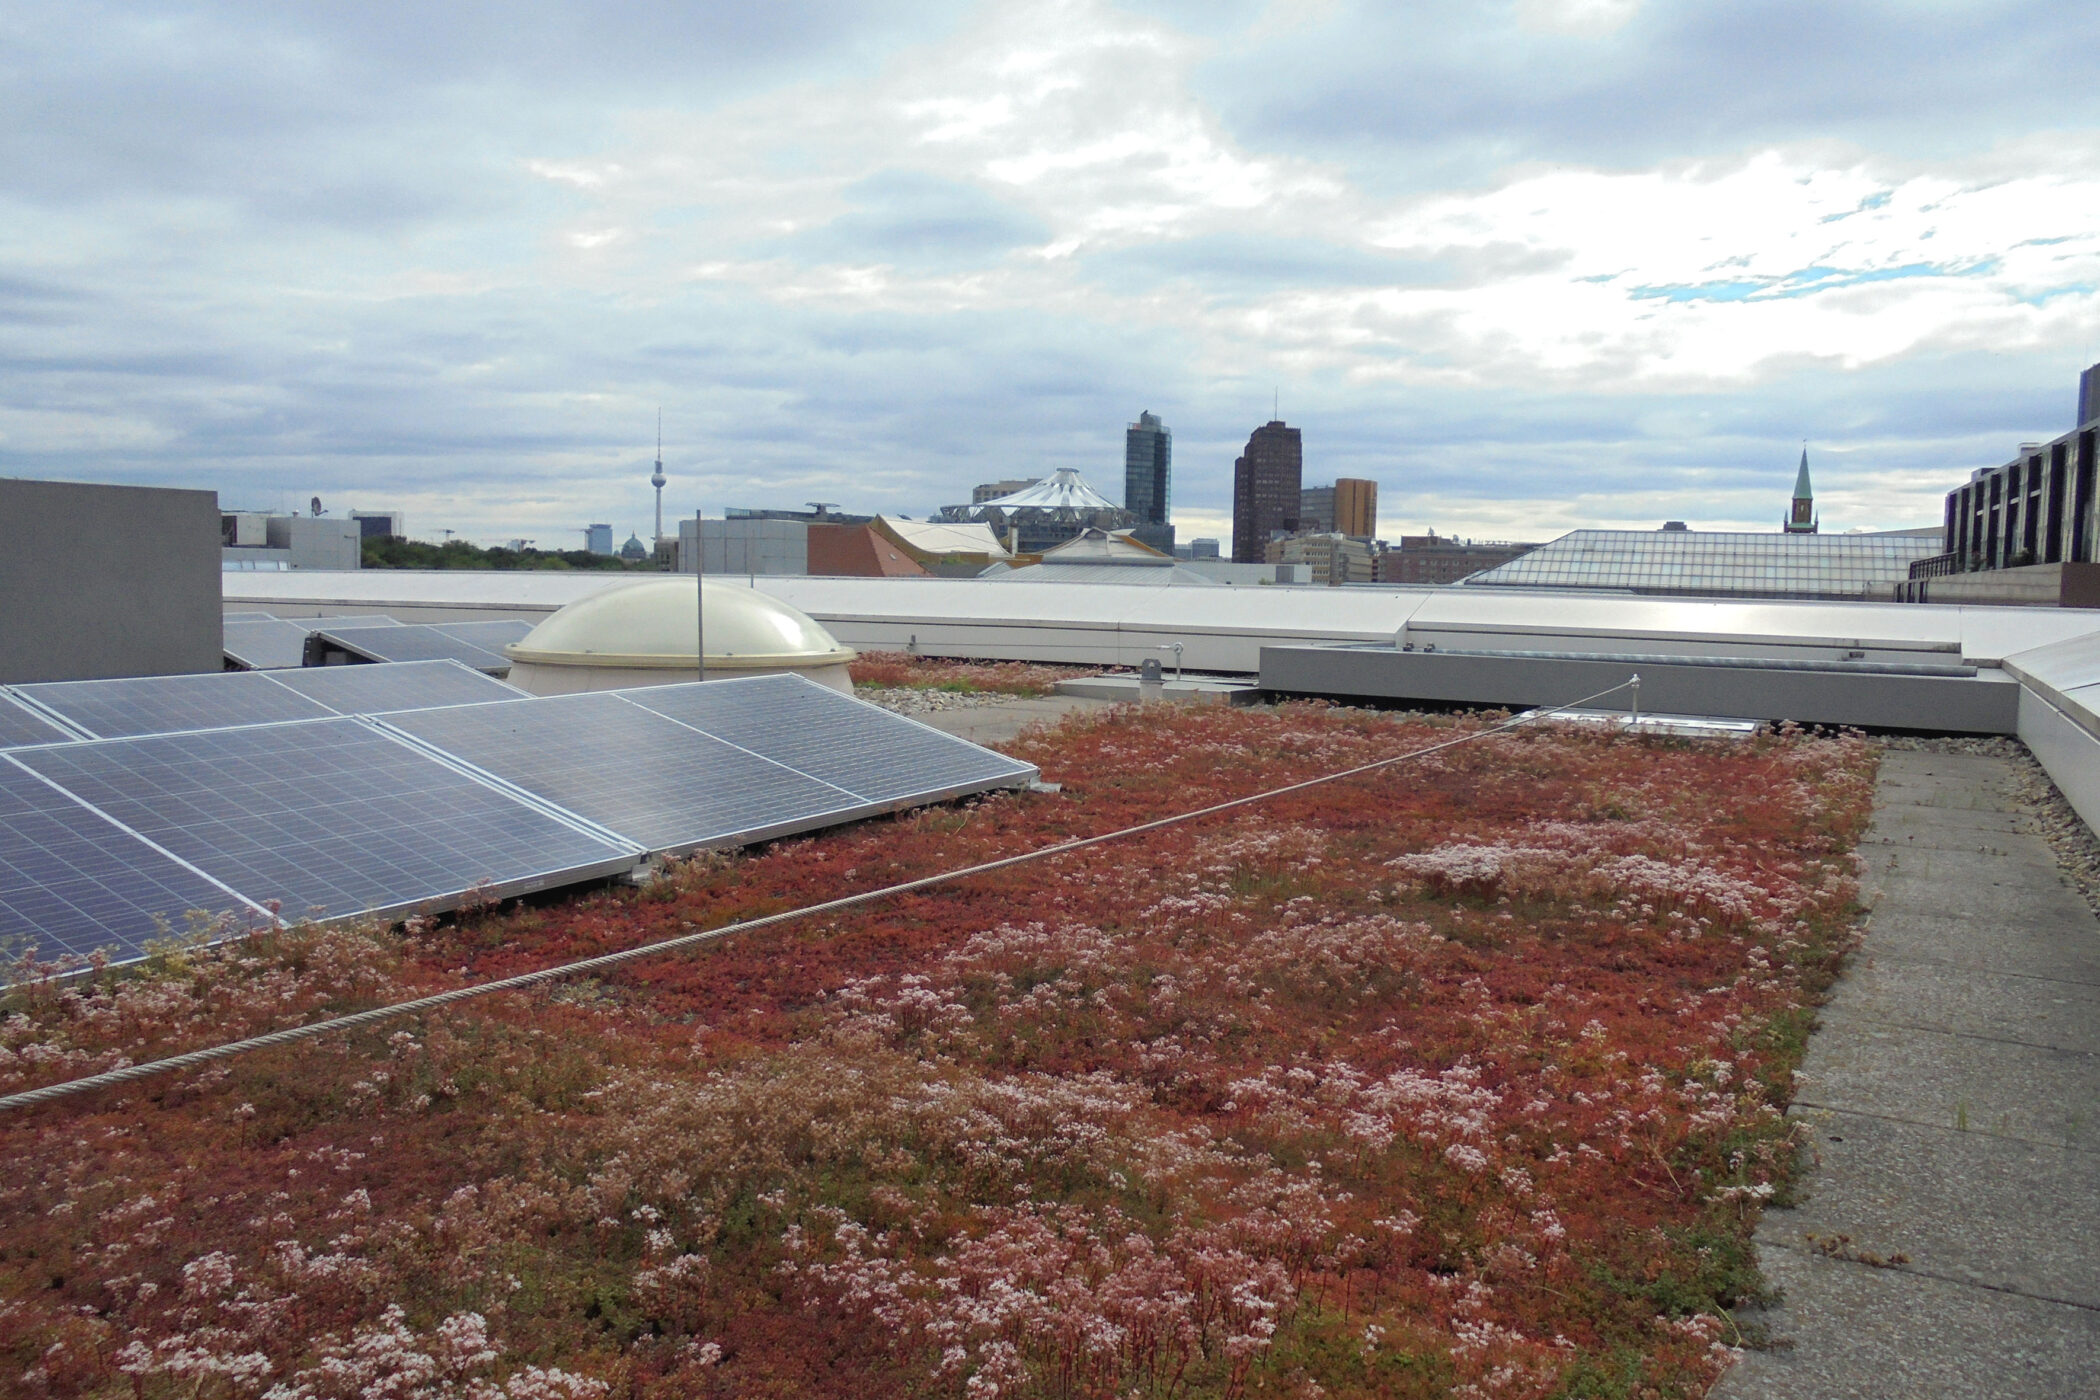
x: 2058, y: 957
x: 2023, y: 895
x: 1922, y: 825
x: 1000, y: 723
x: 1860, y: 1333
x: 1983, y: 1086
x: 2040, y: 1011
x: 1975, y: 856
x: 1963, y: 1206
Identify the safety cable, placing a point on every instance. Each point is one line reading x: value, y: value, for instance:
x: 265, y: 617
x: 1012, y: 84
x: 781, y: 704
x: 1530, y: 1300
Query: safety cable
x: 189, y: 1059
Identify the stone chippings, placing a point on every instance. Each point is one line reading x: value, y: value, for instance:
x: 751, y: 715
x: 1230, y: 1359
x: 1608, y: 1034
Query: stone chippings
x: 2048, y: 813
x: 910, y: 700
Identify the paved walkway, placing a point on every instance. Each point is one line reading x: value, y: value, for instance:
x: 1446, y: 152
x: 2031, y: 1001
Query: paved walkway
x: 1952, y: 1100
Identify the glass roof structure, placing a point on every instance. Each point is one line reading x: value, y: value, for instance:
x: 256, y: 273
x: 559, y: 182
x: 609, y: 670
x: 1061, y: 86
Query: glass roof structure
x: 1717, y: 563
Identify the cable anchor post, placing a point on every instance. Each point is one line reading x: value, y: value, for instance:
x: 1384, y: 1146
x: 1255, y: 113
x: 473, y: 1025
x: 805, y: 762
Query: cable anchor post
x: 1635, y: 685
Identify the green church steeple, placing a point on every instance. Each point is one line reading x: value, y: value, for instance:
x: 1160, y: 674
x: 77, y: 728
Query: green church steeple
x: 1801, y: 520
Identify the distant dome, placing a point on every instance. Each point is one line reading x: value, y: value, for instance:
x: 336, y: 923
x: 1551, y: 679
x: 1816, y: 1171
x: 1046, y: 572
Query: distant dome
x: 645, y: 634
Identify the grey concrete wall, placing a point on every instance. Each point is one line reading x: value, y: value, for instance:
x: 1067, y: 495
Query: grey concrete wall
x: 1985, y: 704
x: 2067, y: 751
x: 107, y: 581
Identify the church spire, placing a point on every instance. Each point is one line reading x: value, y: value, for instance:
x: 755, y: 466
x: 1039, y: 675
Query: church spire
x: 1801, y: 520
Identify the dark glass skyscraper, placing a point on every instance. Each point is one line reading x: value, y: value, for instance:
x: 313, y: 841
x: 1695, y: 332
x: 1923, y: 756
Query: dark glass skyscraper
x: 1148, y: 480
x: 1266, y: 484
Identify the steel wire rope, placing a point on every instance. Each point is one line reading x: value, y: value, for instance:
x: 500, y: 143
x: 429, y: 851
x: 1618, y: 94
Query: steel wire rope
x: 189, y: 1059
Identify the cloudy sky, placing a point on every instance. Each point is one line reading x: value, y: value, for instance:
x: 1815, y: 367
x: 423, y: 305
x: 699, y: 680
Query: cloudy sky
x: 1528, y: 265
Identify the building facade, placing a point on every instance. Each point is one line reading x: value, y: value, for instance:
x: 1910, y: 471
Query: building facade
x: 598, y: 539
x: 2036, y: 509
x: 1316, y: 510
x: 1267, y: 482
x: 1431, y: 561
x: 1356, y: 507
x: 1148, y: 480
x: 1332, y: 558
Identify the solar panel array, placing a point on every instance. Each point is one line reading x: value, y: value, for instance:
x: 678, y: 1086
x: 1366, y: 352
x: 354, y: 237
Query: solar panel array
x: 412, y: 642
x: 111, y: 709
x: 265, y: 644
x: 74, y: 881
x: 112, y: 842
x: 402, y: 685
x: 655, y: 781
x: 114, y: 709
x: 21, y: 725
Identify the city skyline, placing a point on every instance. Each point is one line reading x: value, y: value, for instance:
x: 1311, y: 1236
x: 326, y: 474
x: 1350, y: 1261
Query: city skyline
x: 1528, y: 267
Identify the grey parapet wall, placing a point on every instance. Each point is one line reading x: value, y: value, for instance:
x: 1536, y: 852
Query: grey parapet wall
x: 1944, y: 698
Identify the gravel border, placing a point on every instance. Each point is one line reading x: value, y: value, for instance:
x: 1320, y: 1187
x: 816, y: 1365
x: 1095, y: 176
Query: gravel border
x: 912, y: 700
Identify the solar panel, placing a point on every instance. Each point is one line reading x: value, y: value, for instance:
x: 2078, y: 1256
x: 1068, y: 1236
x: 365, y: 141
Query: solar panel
x: 395, y: 685
x: 250, y: 616
x: 71, y: 881
x: 878, y: 756
x: 331, y: 815
x: 494, y: 634
x: 113, y: 709
x: 412, y: 642
x: 655, y: 781
x: 263, y: 645
x: 357, y: 620
x: 19, y: 725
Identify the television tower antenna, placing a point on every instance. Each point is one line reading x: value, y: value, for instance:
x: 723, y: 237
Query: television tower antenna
x: 656, y: 479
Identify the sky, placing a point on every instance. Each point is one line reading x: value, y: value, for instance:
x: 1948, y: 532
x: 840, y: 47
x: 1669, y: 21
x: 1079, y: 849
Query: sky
x: 1530, y: 265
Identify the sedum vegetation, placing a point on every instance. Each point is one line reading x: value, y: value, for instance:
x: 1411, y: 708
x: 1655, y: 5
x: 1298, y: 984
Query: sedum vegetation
x: 1462, y: 1078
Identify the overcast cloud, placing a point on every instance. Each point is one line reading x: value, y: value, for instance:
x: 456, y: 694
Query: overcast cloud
x: 1529, y: 265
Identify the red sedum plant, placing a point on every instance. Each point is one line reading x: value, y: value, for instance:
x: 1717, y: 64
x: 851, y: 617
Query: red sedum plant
x: 1461, y: 1078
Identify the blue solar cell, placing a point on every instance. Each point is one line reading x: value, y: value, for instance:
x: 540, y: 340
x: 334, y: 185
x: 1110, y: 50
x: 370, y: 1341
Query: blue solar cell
x: 493, y: 634
x: 395, y: 685
x: 330, y: 816
x: 878, y: 756
x: 71, y: 881
x: 19, y: 726
x: 657, y: 782
x: 115, y: 709
x: 413, y: 643
x: 265, y: 644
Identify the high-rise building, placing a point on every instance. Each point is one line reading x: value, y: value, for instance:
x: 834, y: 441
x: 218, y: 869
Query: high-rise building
x: 1148, y: 480
x: 2089, y: 396
x: 1356, y: 507
x: 1801, y: 518
x: 1316, y: 510
x: 1266, y: 481
x: 598, y: 539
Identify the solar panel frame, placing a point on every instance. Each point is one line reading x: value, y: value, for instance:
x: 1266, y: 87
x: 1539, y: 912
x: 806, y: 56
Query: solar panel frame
x: 790, y: 719
x: 335, y: 815
x: 130, y: 707
x: 22, y: 724
x: 73, y: 880
x: 661, y: 784
x: 396, y: 685
x: 412, y: 642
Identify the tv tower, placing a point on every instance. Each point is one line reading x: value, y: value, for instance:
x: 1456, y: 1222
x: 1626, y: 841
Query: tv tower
x: 656, y: 478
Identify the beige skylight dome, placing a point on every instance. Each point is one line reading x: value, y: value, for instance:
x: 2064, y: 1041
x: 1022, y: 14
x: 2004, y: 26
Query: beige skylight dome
x: 645, y: 634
